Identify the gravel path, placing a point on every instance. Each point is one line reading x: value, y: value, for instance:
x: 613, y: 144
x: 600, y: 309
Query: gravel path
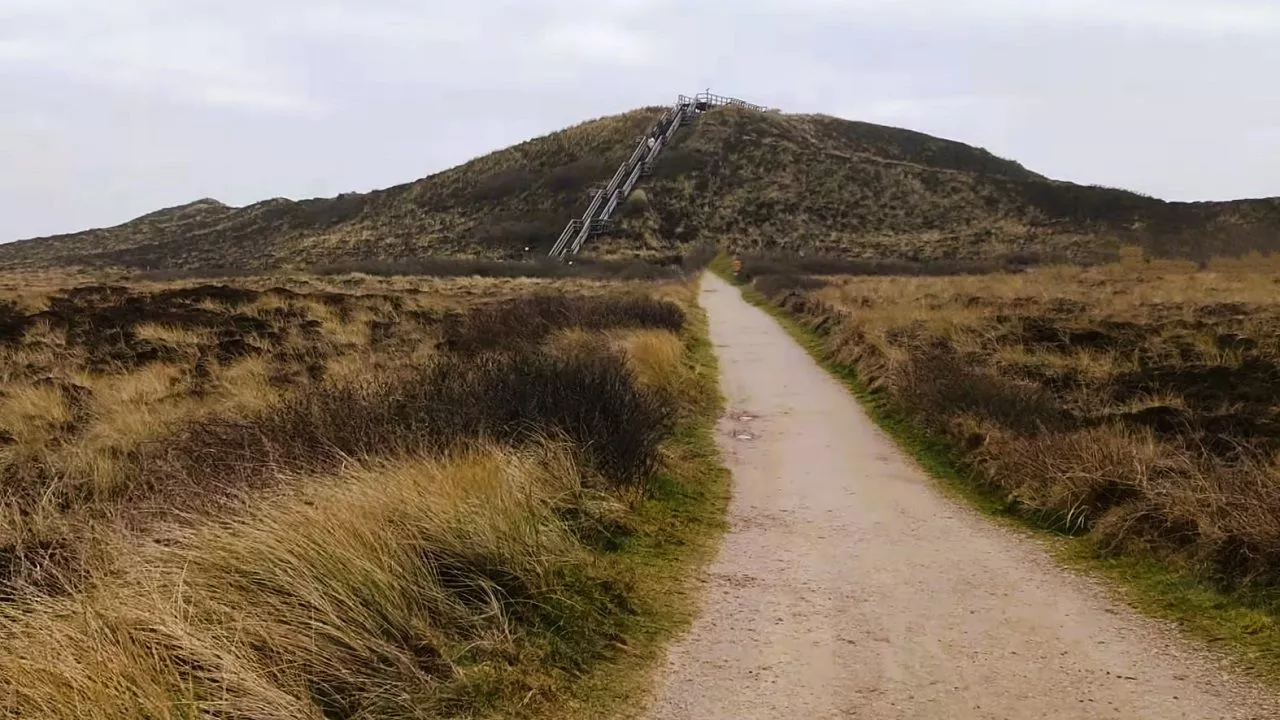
x: 848, y: 587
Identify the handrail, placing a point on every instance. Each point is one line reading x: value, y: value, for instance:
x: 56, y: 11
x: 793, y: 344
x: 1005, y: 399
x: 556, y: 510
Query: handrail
x: 569, y: 231
x: 709, y: 100
x: 631, y: 181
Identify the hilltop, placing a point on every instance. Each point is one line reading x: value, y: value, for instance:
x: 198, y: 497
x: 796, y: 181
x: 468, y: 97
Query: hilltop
x: 757, y: 181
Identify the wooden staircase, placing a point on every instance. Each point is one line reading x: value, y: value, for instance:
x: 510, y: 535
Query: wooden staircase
x: 598, y: 218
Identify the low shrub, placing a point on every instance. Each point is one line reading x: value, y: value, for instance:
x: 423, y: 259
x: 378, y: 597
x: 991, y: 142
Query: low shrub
x: 590, y: 401
x: 699, y: 257
x: 574, y: 177
x: 772, y: 286
x: 541, y: 267
x: 532, y: 318
x: 501, y: 185
x: 13, y: 322
x: 935, y: 383
x: 449, y: 267
x: 793, y: 265
x: 515, y: 235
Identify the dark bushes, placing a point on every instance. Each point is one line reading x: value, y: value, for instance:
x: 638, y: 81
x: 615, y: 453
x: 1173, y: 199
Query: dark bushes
x: 501, y: 185
x: 501, y: 387
x: 478, y: 267
x: 204, y: 272
x: 101, y: 322
x: 530, y: 319
x: 324, y: 213
x: 636, y: 205
x: 451, y: 267
x: 496, y: 385
x: 580, y: 267
x: 577, y: 175
x: 937, y: 383
x: 589, y: 400
x: 699, y: 257
x: 519, y: 234
x: 13, y: 322
x: 754, y: 266
x: 774, y: 285
x: 678, y: 162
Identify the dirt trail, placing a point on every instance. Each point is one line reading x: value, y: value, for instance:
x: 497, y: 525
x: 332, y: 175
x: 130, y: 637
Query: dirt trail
x: 848, y: 587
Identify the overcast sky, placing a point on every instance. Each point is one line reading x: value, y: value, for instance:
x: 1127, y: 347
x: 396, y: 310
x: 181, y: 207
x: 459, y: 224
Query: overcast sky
x: 114, y: 108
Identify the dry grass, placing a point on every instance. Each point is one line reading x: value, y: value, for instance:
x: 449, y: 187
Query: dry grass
x: 655, y: 357
x: 313, y: 497
x: 394, y: 590
x: 106, y: 388
x: 754, y: 181
x: 102, y: 371
x: 1138, y: 401
x: 762, y: 182
x: 493, y: 206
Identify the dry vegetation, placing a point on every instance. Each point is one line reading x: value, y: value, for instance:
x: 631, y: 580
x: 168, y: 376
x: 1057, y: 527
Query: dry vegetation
x: 813, y: 184
x: 1138, y: 402
x: 752, y: 181
x: 494, y: 206
x: 341, y: 497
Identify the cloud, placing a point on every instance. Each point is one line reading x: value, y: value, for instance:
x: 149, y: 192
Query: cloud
x: 597, y: 41
x: 1195, y: 17
x: 115, y: 107
x: 906, y: 110
x: 1187, y: 16
x: 21, y: 50
x: 141, y: 45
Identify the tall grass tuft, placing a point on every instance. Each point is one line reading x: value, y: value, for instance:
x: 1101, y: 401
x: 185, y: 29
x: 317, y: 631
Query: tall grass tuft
x: 532, y: 318
x: 397, y: 590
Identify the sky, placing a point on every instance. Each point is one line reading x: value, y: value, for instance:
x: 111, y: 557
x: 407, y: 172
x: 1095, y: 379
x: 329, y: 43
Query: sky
x: 110, y: 109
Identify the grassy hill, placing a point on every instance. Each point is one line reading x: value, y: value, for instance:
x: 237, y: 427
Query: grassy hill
x: 757, y: 181
x: 824, y: 185
x: 493, y: 205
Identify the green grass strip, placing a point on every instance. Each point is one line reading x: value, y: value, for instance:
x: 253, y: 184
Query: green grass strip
x: 677, y: 532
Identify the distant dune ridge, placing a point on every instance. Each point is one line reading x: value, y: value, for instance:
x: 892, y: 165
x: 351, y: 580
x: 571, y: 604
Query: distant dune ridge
x: 756, y: 181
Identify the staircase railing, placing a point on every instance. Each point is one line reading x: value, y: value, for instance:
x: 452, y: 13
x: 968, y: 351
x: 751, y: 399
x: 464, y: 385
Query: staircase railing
x: 606, y: 200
